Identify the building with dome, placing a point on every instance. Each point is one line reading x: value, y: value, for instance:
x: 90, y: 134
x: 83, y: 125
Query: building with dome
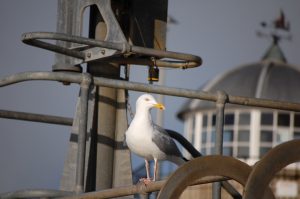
x: 249, y: 132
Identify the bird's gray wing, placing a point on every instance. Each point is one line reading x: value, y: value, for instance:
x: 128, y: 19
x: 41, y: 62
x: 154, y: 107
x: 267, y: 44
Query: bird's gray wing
x: 164, y: 142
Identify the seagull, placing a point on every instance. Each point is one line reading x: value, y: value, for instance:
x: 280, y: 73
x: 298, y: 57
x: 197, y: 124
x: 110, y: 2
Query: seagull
x: 148, y: 140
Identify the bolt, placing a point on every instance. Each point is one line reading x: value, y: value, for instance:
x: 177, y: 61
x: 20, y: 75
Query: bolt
x: 102, y: 52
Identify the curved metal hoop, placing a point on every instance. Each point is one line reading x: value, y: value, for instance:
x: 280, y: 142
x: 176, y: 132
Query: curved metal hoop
x: 206, y: 166
x: 180, y: 60
x: 275, y: 160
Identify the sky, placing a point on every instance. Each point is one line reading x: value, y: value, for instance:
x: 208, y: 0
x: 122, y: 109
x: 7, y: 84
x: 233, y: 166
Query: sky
x: 223, y: 33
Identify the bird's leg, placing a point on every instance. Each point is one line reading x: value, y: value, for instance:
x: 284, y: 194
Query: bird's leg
x: 147, y: 169
x: 148, y: 179
x: 155, y: 169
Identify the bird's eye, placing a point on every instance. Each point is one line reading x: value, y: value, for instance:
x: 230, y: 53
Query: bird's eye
x: 147, y: 99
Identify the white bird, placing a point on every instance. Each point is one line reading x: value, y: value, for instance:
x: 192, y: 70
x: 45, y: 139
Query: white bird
x: 149, y: 140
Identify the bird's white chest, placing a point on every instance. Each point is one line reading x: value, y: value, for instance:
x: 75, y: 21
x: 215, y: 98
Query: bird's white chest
x: 139, y: 141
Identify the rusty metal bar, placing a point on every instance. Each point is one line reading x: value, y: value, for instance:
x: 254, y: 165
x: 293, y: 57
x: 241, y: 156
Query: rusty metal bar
x: 180, y: 92
x: 33, y: 117
x: 84, y: 93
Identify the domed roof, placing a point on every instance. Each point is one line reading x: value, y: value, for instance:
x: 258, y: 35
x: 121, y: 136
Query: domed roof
x: 271, y: 78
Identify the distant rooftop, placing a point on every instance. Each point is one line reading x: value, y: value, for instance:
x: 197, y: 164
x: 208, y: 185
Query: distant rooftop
x: 274, y: 52
x: 270, y: 78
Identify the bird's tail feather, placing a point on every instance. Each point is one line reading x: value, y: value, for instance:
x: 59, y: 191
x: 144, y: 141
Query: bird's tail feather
x: 178, y: 160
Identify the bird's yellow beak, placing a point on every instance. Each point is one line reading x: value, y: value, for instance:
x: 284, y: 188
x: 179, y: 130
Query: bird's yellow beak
x: 159, y: 106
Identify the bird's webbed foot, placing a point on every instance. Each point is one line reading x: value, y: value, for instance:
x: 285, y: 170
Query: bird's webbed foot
x: 146, y: 181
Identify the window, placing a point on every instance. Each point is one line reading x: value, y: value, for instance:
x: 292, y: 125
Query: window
x: 204, y: 120
x: 204, y: 137
x: 266, y: 119
x: 282, y: 135
x: 266, y: 136
x: 283, y: 119
x: 297, y: 120
x: 243, y: 136
x: 213, y: 137
x: 296, y: 135
x: 243, y: 152
x: 228, y: 151
x: 213, y: 120
x: 228, y: 136
x: 244, y: 119
x: 236, y: 135
x: 264, y: 150
x: 229, y: 119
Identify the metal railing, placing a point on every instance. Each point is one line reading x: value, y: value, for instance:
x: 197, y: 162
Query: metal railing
x: 85, y: 80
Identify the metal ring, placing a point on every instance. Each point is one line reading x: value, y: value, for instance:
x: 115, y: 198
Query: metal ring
x: 206, y: 166
x: 275, y: 160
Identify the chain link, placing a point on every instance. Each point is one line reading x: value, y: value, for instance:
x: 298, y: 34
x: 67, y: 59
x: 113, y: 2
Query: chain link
x: 129, y: 109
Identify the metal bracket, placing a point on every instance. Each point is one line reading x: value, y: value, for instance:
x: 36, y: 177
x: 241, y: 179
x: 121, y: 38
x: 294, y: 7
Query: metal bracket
x: 114, y: 48
x: 140, y: 55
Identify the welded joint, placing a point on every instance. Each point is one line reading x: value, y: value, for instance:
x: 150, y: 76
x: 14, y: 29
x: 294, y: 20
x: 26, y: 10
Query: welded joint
x: 222, y: 98
x: 126, y: 49
x: 86, y: 81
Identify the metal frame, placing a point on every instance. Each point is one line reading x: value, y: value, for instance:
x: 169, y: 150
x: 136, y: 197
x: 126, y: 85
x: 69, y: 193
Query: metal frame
x: 87, y: 53
x: 86, y: 80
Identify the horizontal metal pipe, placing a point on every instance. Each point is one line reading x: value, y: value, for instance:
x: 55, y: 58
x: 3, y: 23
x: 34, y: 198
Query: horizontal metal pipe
x: 180, y: 92
x: 34, y: 193
x: 51, y: 76
x: 36, y: 117
x: 139, y: 188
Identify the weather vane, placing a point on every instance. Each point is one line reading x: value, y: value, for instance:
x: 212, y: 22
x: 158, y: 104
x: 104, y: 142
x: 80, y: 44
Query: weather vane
x: 278, y: 28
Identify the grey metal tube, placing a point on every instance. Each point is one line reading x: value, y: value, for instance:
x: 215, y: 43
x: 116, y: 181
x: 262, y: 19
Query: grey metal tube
x: 36, y: 117
x: 51, y: 76
x: 99, y: 81
x: 35, y: 193
x: 85, y: 85
x: 220, y: 106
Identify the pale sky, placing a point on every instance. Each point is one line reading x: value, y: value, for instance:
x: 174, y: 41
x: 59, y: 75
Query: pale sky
x: 221, y: 32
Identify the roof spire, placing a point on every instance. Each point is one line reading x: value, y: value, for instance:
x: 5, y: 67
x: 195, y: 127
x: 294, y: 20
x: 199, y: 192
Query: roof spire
x: 278, y: 29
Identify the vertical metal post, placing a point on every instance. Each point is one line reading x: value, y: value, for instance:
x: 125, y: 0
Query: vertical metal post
x: 107, y: 104
x: 84, y: 89
x: 66, y: 11
x: 220, y: 105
